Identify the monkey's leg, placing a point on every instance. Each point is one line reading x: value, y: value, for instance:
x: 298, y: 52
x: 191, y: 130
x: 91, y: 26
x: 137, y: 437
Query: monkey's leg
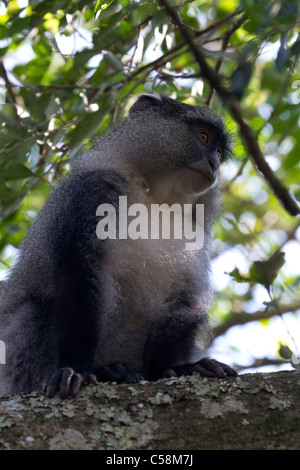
x: 172, y: 348
x: 76, y: 328
x: 78, y: 277
x: 29, y: 345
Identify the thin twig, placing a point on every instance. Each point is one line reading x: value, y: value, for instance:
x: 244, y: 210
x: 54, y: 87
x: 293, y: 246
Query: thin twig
x: 10, y: 90
x: 225, y: 40
x: 265, y: 361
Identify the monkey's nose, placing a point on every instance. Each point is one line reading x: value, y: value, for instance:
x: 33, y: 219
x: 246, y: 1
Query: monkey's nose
x: 213, y: 161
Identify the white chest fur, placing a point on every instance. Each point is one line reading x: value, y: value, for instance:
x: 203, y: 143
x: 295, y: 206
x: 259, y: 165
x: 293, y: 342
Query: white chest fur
x: 140, y: 277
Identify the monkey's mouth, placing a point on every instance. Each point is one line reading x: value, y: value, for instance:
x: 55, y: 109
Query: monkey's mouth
x: 209, y: 177
x: 205, y: 172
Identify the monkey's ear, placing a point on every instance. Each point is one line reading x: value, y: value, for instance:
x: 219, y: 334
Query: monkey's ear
x: 144, y: 102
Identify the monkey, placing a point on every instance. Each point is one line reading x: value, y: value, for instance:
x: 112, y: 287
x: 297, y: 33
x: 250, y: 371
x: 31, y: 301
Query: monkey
x: 79, y: 308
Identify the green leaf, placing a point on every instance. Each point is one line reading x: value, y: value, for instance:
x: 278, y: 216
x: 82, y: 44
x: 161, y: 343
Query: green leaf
x: 100, y: 6
x: 283, y: 57
x: 113, y: 61
x: 16, y: 172
x: 235, y: 274
x: 295, y: 49
x: 17, y: 153
x: 86, y: 127
x: 265, y: 272
x: 240, y: 79
x: 292, y: 159
x: 285, y: 352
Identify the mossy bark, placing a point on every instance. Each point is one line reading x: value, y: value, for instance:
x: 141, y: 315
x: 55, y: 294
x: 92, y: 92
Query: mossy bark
x: 253, y: 411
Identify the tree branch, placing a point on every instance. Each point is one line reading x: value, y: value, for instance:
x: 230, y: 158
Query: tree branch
x: 233, y: 106
x: 249, y: 412
x: 241, y: 318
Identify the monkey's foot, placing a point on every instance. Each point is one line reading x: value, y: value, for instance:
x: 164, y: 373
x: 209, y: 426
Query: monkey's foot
x: 66, y: 381
x: 118, y: 372
x: 206, y: 367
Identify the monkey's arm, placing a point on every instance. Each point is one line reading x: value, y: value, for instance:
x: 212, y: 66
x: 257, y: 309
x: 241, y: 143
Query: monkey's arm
x: 173, y: 347
x: 77, y: 277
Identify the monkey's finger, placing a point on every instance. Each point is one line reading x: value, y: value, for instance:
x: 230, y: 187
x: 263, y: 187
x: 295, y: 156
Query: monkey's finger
x: 168, y: 373
x: 75, y: 384
x: 51, y: 385
x: 107, y: 374
x: 124, y: 372
x: 44, y: 384
x: 203, y: 371
x: 65, y: 384
x: 90, y: 379
x: 212, y: 366
x: 128, y: 373
x: 81, y: 379
x: 229, y: 370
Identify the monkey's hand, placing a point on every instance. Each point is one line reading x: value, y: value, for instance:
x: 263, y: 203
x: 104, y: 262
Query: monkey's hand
x: 66, y: 381
x: 206, y: 367
x: 118, y: 372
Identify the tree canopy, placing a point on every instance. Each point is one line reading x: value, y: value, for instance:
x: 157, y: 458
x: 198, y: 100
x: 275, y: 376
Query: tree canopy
x: 70, y: 69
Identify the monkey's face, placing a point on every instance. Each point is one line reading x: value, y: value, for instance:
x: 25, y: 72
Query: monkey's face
x: 204, y: 153
x: 178, y: 148
x: 202, y: 170
x: 186, y: 162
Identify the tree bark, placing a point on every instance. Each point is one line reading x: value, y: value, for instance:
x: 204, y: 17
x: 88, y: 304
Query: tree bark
x: 252, y: 411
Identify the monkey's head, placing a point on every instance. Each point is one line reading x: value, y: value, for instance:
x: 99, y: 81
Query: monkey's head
x: 177, y: 143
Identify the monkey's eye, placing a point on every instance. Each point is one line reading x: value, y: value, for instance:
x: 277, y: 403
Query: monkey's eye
x: 220, y: 154
x: 203, y: 136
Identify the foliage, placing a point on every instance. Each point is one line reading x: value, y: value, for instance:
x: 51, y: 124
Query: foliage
x: 69, y: 69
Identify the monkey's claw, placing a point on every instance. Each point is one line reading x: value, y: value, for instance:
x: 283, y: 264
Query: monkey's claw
x: 66, y: 381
